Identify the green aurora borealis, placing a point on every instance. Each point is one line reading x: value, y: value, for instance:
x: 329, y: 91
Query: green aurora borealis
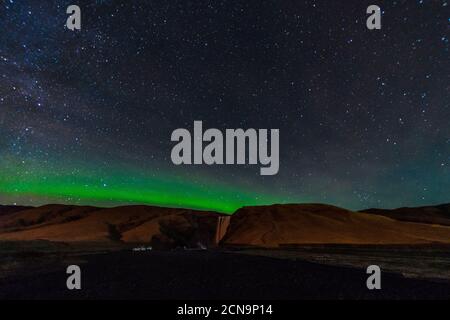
x: 119, y: 186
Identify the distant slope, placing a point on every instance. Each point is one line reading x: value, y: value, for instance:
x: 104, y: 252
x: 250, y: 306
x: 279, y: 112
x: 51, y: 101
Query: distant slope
x: 4, y: 210
x: 129, y: 223
x: 431, y: 214
x: 272, y: 226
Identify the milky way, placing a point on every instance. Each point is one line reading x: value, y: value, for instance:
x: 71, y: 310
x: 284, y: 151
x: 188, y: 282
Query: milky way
x: 86, y: 116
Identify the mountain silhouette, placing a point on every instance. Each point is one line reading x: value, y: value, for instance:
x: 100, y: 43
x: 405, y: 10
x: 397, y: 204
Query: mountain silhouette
x: 262, y: 226
x: 439, y: 214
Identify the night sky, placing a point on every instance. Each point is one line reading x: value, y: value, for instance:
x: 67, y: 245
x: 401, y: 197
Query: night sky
x: 86, y: 116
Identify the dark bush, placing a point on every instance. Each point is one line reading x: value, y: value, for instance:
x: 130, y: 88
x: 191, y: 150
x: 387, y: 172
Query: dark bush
x: 113, y: 233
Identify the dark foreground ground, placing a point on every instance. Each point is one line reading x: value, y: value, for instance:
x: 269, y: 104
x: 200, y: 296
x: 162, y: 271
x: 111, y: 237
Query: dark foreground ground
x: 209, y: 275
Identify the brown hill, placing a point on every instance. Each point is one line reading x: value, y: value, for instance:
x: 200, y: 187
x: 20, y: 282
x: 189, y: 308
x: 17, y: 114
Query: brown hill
x: 128, y: 224
x: 272, y: 226
x: 4, y: 210
x: 266, y: 226
x: 431, y: 214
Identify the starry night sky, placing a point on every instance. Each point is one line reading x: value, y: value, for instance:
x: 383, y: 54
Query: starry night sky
x: 86, y: 116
